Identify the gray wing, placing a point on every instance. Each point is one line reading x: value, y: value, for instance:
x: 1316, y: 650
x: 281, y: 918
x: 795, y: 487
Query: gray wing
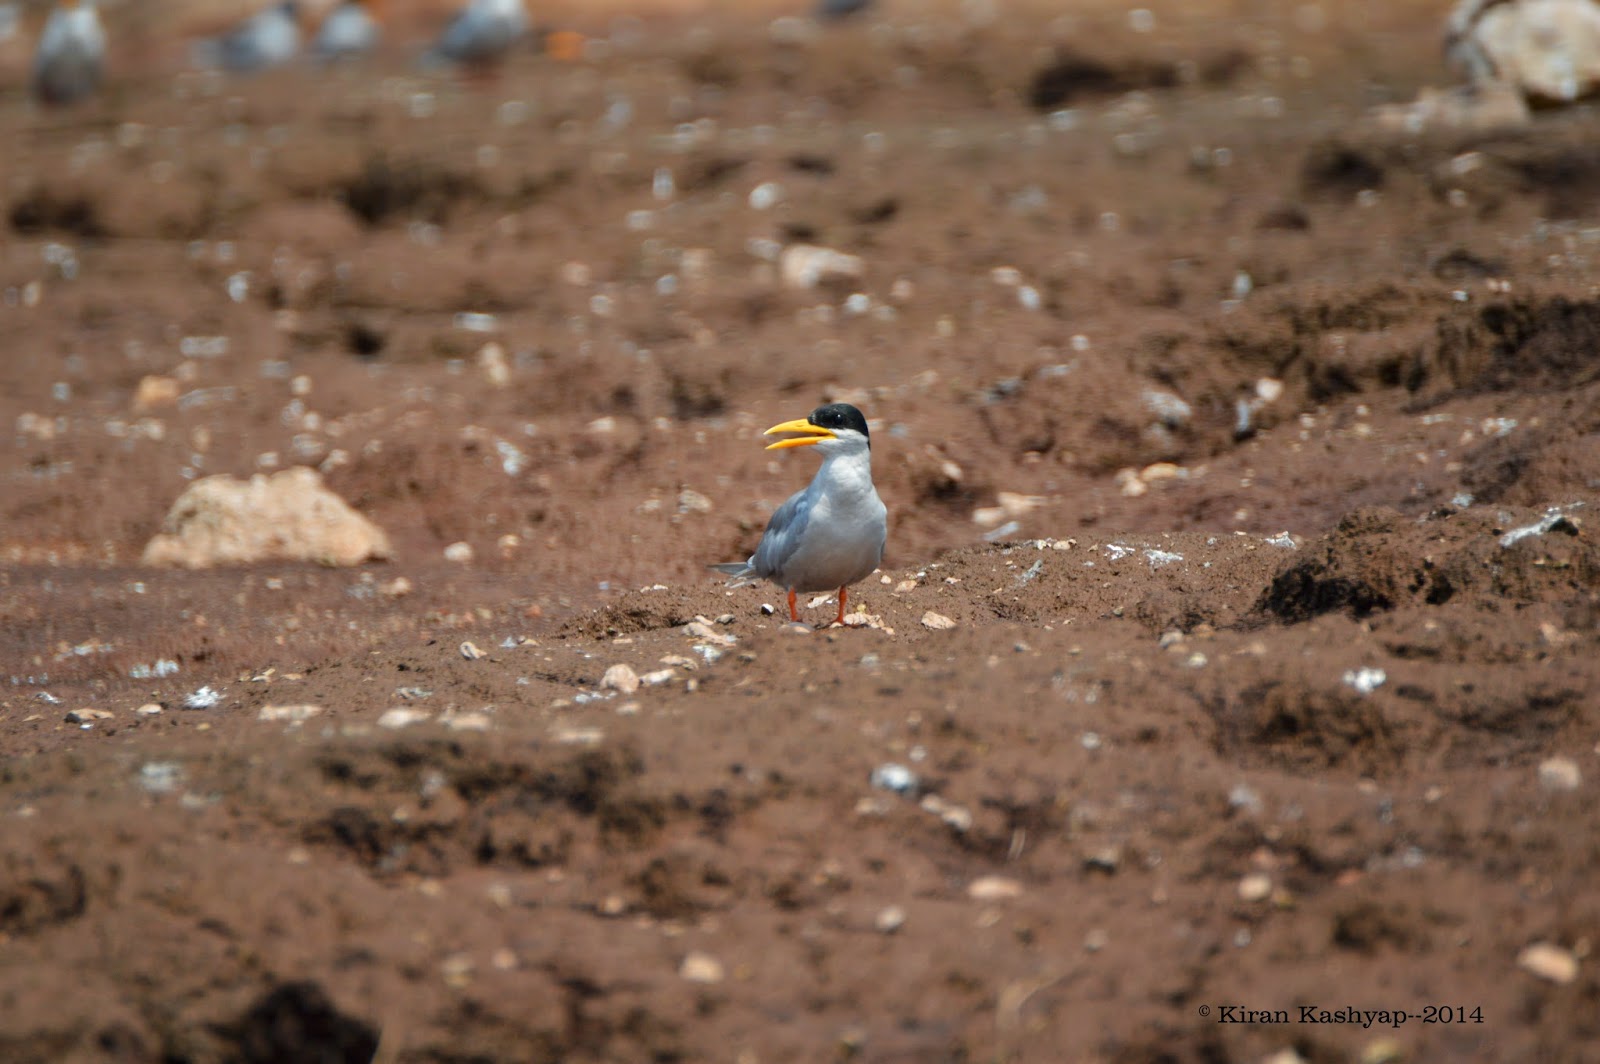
x: 783, y: 535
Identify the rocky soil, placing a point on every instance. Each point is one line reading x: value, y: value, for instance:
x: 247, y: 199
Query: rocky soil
x: 1235, y: 653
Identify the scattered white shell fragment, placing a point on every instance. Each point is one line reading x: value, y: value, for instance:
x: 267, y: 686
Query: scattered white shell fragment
x: 292, y: 714
x: 1365, y: 679
x: 471, y: 651
x: 459, y: 552
x: 205, y: 698
x: 1282, y: 539
x: 160, y: 777
x: 892, y: 776
x: 620, y: 678
x: 568, y: 736
x: 1554, y: 522
x: 659, y: 676
x: 994, y: 888
x: 161, y: 667
x: 402, y: 717
x: 937, y: 621
x: 698, y: 967
x: 1560, y: 774
x: 1549, y: 961
x: 467, y: 722
x: 1158, y: 558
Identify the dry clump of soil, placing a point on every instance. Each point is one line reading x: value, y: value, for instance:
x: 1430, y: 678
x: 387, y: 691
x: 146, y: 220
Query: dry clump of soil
x: 1236, y: 645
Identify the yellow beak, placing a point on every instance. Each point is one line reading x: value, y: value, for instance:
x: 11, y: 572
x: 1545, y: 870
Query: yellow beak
x: 812, y: 434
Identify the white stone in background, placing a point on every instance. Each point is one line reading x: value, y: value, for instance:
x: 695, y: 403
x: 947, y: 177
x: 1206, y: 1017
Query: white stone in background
x: 402, y: 717
x: 698, y: 967
x: 1548, y: 50
x: 994, y: 888
x: 807, y: 266
x: 1549, y: 961
x: 291, y: 714
x: 620, y: 678
x: 460, y: 553
x: 290, y: 516
x: 1560, y: 774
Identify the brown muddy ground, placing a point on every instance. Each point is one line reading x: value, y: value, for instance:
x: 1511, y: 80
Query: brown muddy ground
x: 1259, y: 709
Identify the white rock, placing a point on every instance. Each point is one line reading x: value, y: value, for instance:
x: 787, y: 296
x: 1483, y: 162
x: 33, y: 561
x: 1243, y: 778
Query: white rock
x: 88, y: 716
x: 1560, y: 774
x: 471, y: 651
x: 492, y: 361
x: 698, y: 967
x: 1549, y: 961
x: 287, y: 516
x: 659, y: 676
x: 459, y: 552
x: 292, y: 714
x: 468, y: 722
x: 994, y: 888
x: 937, y: 621
x: 1549, y: 50
x: 1257, y: 886
x: 890, y: 919
x: 620, y: 678
x: 807, y: 266
x: 402, y: 717
x: 149, y: 709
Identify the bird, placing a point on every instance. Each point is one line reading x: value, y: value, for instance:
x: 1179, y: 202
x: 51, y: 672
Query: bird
x: 831, y: 534
x: 350, y: 30
x: 482, y: 31
x: 70, y: 58
x: 833, y: 10
x: 269, y: 38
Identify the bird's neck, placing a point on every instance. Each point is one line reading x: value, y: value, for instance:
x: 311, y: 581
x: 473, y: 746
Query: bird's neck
x: 847, y: 474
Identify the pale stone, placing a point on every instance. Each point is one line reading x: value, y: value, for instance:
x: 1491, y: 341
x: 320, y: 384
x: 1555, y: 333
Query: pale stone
x: 1257, y: 886
x: 698, y: 967
x: 288, y: 516
x: 1548, y: 50
x: 459, y: 552
x: 937, y: 621
x: 156, y: 391
x: 292, y: 714
x: 620, y: 678
x: 88, y: 716
x: 1560, y: 774
x: 806, y: 266
x: 1549, y: 961
x: 994, y: 888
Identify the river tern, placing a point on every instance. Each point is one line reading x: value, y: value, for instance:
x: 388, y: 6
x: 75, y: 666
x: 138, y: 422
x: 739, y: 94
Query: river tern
x: 71, y: 54
x: 481, y: 32
x: 831, y: 534
x: 269, y: 38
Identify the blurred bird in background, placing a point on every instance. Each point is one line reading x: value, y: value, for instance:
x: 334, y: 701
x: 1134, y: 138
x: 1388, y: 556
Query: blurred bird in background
x: 70, y: 59
x: 269, y: 38
x: 481, y: 33
x: 351, y: 29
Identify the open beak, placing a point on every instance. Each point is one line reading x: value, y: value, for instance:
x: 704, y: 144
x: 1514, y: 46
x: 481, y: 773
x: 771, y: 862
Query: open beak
x: 811, y: 434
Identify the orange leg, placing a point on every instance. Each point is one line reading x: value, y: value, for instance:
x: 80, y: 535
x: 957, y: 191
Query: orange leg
x: 794, y: 614
x: 840, y: 618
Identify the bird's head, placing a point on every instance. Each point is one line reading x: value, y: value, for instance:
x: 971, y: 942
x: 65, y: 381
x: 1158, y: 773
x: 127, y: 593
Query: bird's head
x: 837, y: 428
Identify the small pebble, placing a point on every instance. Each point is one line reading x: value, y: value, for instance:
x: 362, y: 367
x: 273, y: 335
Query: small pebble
x: 1549, y: 961
x: 1560, y: 774
x: 1256, y: 886
x: 937, y: 621
x: 470, y: 651
x: 994, y: 888
x: 402, y: 717
x: 468, y: 722
x: 460, y: 553
x: 149, y: 709
x: 292, y: 714
x: 891, y: 776
x: 88, y: 716
x: 620, y: 678
x: 889, y: 919
x: 700, y: 967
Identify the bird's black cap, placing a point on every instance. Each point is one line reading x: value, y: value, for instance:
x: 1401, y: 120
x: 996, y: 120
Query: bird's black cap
x: 840, y: 416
